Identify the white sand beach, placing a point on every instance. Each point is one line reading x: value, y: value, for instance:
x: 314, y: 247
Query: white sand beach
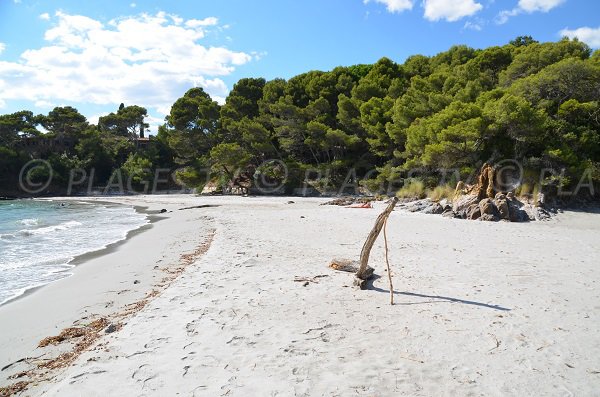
x: 494, y: 309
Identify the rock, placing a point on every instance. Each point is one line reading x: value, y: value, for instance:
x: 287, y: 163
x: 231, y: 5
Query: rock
x: 487, y: 207
x: 435, y: 208
x: 541, y: 200
x: 464, y: 202
x: 510, y: 195
x: 290, y: 202
x: 450, y: 214
x: 541, y: 214
x: 340, y: 201
x: 110, y: 329
x: 485, y: 182
x: 163, y: 211
x: 489, y: 218
x: 502, y: 206
x: 516, y: 213
x: 136, y: 281
x: 473, y: 212
x: 418, y: 206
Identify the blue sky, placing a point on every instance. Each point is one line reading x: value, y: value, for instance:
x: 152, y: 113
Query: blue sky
x: 96, y: 54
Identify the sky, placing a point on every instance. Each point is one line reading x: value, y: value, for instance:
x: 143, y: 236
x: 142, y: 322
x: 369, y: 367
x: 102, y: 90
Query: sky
x: 94, y: 55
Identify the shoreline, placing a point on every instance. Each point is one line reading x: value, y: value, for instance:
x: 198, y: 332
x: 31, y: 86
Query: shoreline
x: 102, y: 283
x: 79, y: 259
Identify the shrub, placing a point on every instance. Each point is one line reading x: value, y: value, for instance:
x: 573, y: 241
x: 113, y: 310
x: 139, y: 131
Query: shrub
x: 413, y: 188
x: 441, y: 192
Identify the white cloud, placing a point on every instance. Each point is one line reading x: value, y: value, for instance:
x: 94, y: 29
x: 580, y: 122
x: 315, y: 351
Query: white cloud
x: 539, y: 5
x: 197, y: 23
x: 44, y: 104
x: 590, y: 36
x: 528, y: 6
x: 394, y: 5
x: 451, y: 11
x: 473, y: 26
x: 148, y: 60
x: 2, y: 47
x: 132, y: 5
x: 505, y: 15
x: 93, y: 119
x: 45, y: 16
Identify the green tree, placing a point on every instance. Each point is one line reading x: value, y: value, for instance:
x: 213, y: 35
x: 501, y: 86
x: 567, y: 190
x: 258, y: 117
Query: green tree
x: 64, y: 122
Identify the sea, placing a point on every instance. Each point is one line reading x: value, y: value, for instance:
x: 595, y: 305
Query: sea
x: 40, y: 238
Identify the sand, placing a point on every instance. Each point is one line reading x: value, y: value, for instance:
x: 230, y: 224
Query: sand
x: 495, y: 309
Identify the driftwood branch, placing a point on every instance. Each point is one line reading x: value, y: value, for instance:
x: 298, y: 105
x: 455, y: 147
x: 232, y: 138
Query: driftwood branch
x: 362, y: 270
x: 365, y: 271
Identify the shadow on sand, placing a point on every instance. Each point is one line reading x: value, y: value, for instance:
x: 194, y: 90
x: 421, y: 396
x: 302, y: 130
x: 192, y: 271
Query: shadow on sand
x: 432, y: 298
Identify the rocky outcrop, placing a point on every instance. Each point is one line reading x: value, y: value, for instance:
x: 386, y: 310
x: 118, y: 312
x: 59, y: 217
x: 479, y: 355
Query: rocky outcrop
x: 484, y: 188
x: 485, y: 182
x: 482, y: 202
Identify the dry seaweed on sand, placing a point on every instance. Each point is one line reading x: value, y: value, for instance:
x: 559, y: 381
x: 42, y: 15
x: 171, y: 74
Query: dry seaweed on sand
x: 13, y: 389
x: 75, y: 332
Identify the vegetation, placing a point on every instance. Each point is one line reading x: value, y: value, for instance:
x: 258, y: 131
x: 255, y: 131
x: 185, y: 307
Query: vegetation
x: 376, y: 125
x: 441, y: 192
x: 413, y: 189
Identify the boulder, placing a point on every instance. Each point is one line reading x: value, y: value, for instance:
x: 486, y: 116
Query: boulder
x: 435, y: 208
x: 473, y: 212
x: 503, y: 207
x: 450, y: 214
x: 489, y: 218
x: 417, y: 206
x: 516, y: 212
x: 541, y: 214
x: 463, y: 202
x: 487, y: 207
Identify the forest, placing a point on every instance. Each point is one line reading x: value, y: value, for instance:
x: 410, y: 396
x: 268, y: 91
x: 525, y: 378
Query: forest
x: 380, y: 126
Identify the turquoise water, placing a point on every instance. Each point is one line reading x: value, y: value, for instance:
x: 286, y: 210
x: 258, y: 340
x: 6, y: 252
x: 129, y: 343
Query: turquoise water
x: 38, y: 239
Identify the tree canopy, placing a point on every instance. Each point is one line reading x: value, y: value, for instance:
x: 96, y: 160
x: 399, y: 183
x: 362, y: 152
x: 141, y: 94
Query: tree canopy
x: 536, y: 103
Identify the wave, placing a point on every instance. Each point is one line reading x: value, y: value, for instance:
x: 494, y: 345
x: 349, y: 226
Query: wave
x: 50, y: 229
x: 29, y: 221
x: 39, y: 241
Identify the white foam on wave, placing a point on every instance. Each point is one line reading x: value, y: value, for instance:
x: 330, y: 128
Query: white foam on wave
x: 29, y: 222
x: 50, y: 229
x: 36, y: 255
